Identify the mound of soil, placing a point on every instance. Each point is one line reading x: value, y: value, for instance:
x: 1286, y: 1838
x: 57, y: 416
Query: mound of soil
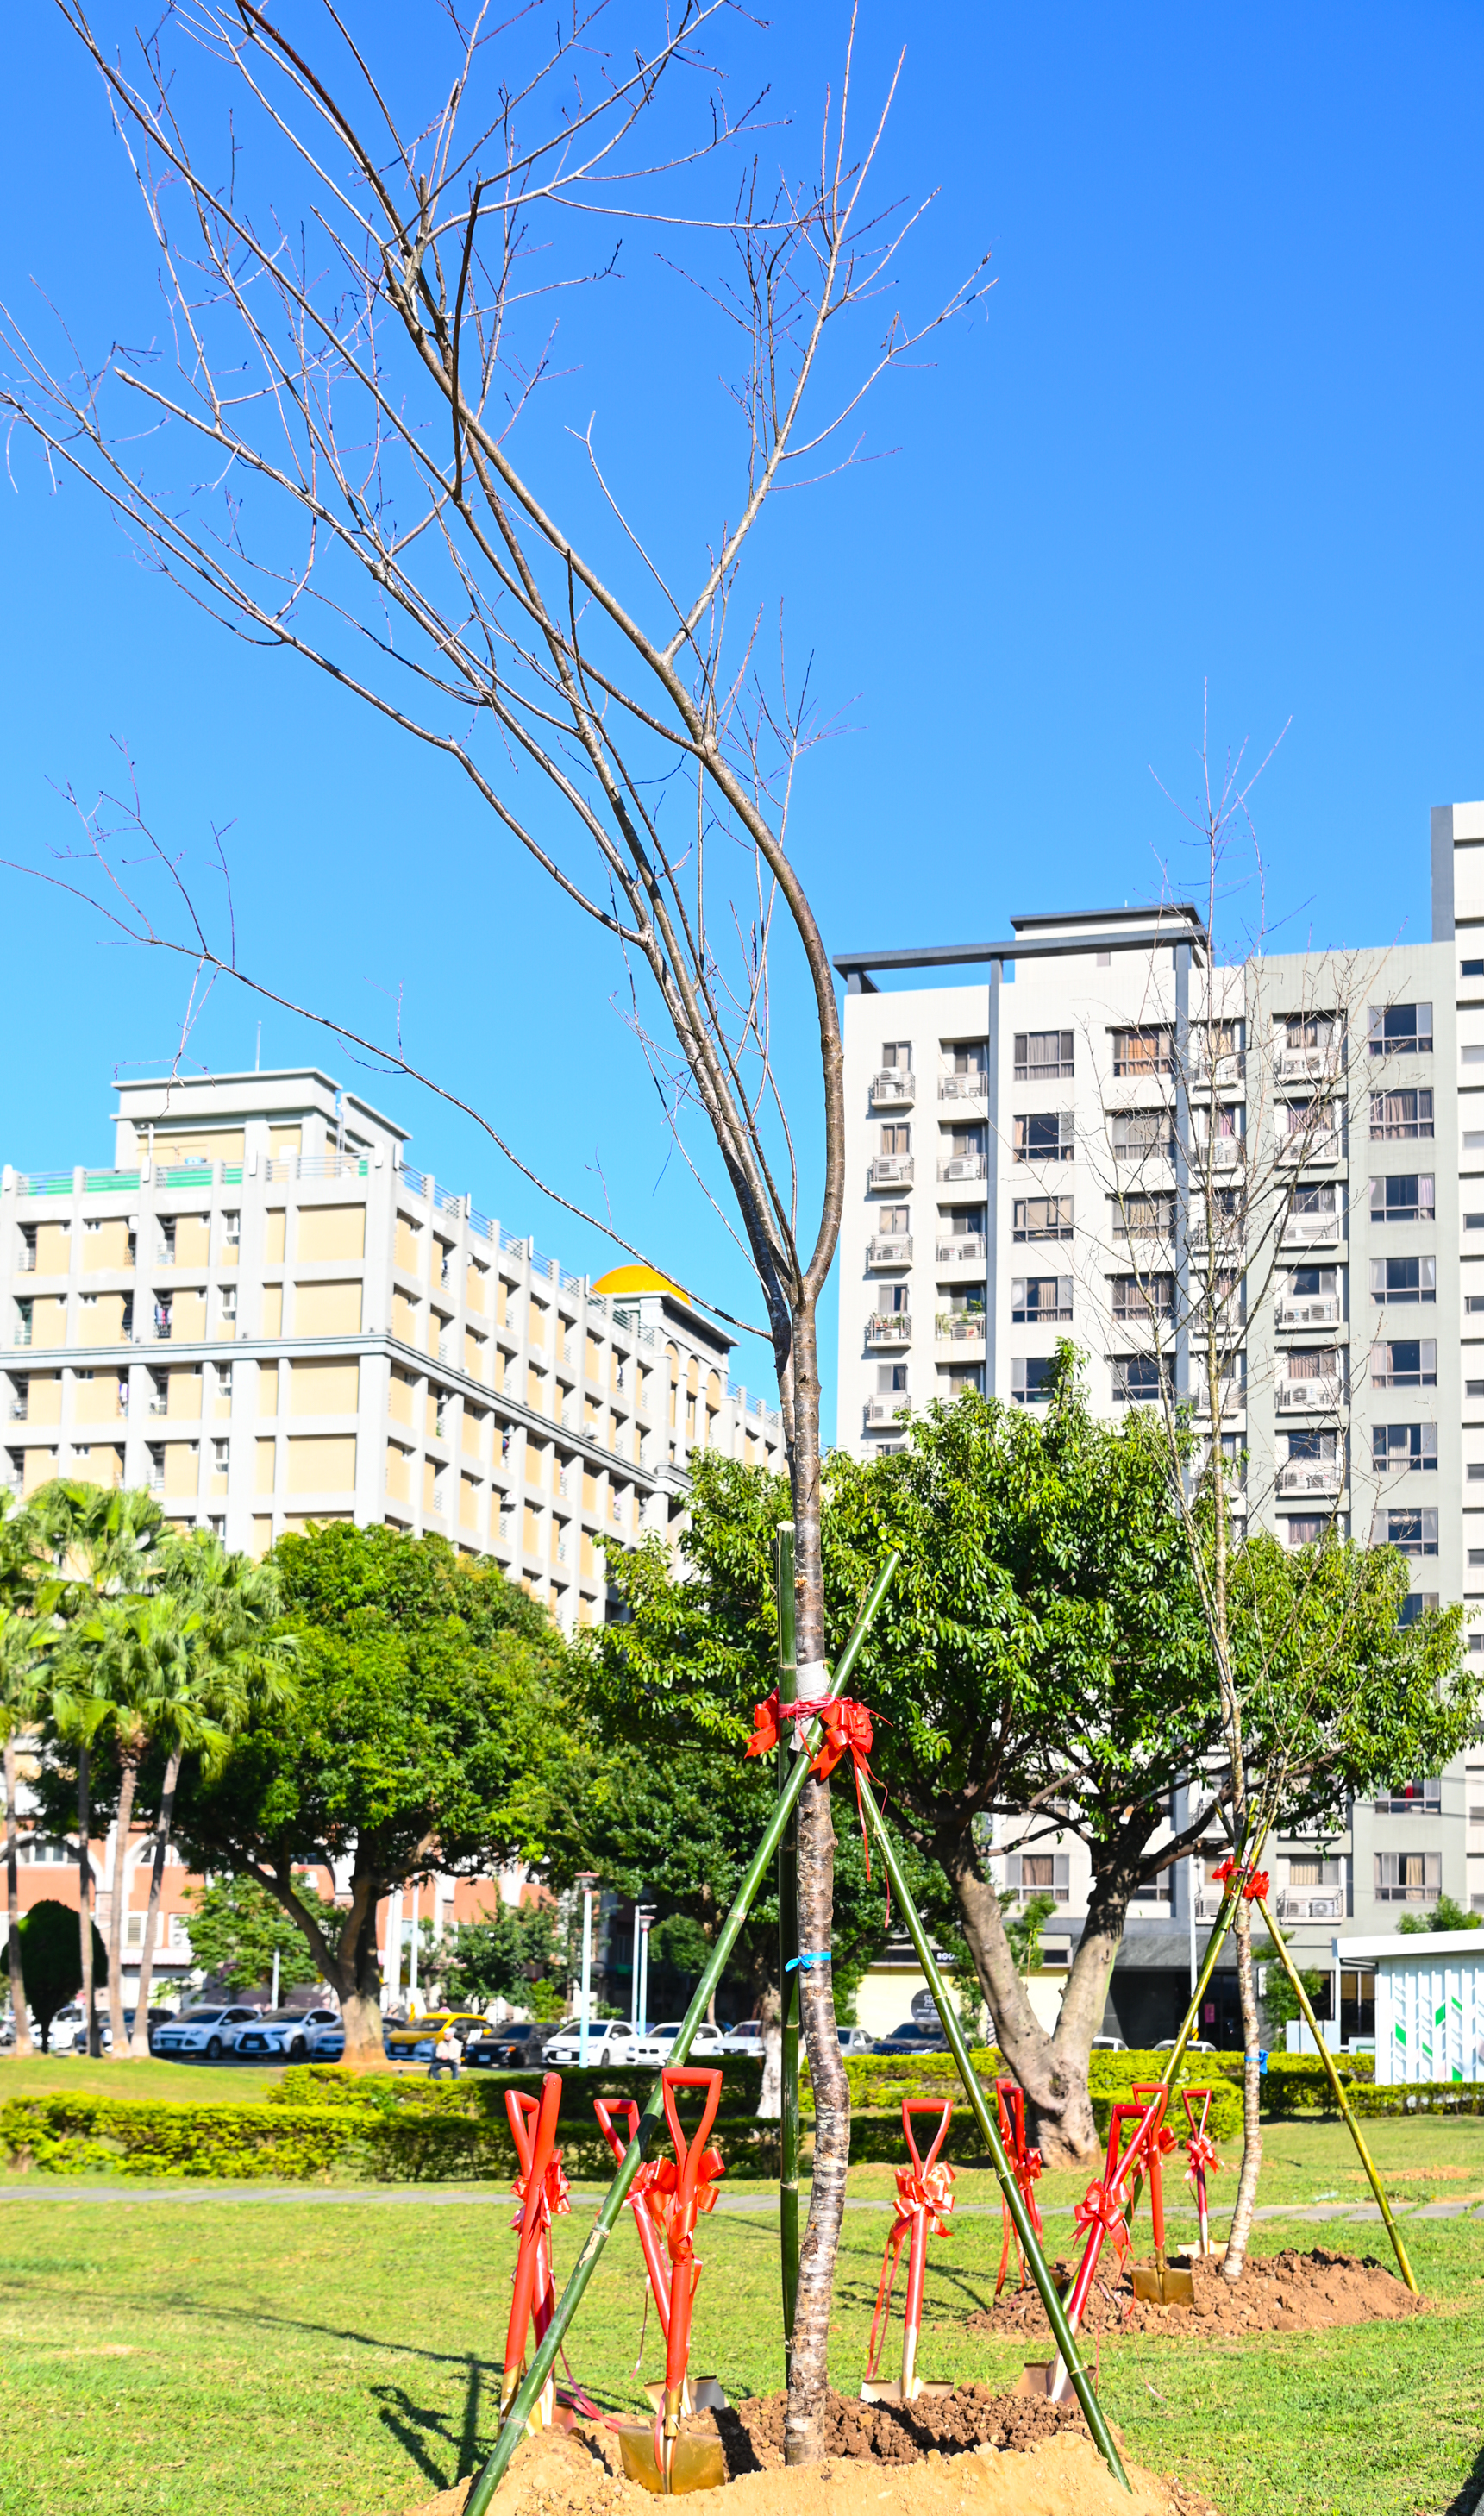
x: 1063, y: 2476
x: 1286, y: 2293
x: 888, y: 2433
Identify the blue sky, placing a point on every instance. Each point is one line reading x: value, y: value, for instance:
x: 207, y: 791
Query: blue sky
x: 1217, y: 419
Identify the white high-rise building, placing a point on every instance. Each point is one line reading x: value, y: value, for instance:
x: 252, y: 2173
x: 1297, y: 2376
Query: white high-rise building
x: 1019, y: 1170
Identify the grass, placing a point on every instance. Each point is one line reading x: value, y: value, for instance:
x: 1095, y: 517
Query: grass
x: 225, y: 2083
x: 281, y: 2355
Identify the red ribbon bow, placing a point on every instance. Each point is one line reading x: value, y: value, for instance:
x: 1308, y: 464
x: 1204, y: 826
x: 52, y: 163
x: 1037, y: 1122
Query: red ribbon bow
x: 1253, y: 1884
x: 552, y: 2195
x: 1100, y: 2207
x: 658, y: 2181
x: 931, y: 2193
x: 1200, y: 2149
x: 847, y: 1731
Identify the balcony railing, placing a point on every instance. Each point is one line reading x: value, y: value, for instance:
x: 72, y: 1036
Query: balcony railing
x: 1309, y: 1065
x: 962, y: 1166
x: 1231, y: 1235
x: 1218, y: 1153
x: 22, y: 1335
x: 1317, y: 1397
x: 886, y: 1410
x: 1312, y: 1477
x: 960, y: 1327
x: 332, y: 1166
x: 1312, y: 1230
x: 888, y: 1327
x: 25, y: 1264
x: 1217, y: 1070
x: 963, y: 1087
x: 1315, y: 1311
x: 1322, y: 1145
x: 889, y: 1249
x: 895, y: 1087
x: 970, y: 1251
x: 892, y: 1170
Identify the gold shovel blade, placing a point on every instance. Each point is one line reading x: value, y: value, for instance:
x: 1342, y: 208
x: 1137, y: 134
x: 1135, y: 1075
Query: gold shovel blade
x: 922, y: 2389
x: 1162, y: 2285
x: 1035, y: 2376
x: 698, y: 2462
x: 701, y: 2394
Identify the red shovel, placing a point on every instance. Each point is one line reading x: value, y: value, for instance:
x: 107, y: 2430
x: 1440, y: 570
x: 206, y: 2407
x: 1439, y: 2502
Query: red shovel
x: 541, y: 2189
x: 701, y: 2393
x: 924, y: 2200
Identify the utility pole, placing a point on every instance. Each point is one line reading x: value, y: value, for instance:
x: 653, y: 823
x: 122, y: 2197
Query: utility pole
x: 588, y: 1882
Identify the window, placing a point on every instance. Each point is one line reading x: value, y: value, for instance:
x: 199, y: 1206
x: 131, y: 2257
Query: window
x: 1143, y: 1218
x: 1306, y: 1529
x: 1044, y: 1137
x: 1312, y: 1034
x: 1030, y: 1379
x: 967, y: 1056
x: 1311, y: 1870
x: 896, y: 1056
x: 1408, y: 1196
x: 1404, y: 1280
x: 229, y: 1300
x: 1406, y: 1364
x: 1138, y: 1378
x: 1398, y: 1031
x: 958, y: 1379
x: 1403, y: 1449
x: 27, y: 1257
x: 1314, y: 1449
x: 1409, y: 1877
x: 1038, y: 1874
x: 1418, y: 1604
x: 894, y: 1222
x: 1043, y: 1056
x: 232, y: 1231
x: 1427, y: 1798
x: 1311, y: 1284
x: 1138, y: 1135
x: 1411, y: 1533
x: 894, y: 1300
x: 896, y: 1138
x: 1395, y: 1115
x: 1143, y: 1297
x: 1472, y: 969
x: 891, y: 1379
x: 1147, y: 1049
x: 1041, y: 1297
x: 1043, y: 1218
x: 221, y: 1456
x: 224, y: 1373
x: 165, y: 1226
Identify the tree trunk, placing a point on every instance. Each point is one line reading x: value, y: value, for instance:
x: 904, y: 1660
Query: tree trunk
x: 85, y: 1894
x: 771, y: 2018
x: 1053, y: 2070
x: 1252, y: 2100
x: 13, y: 1906
x: 139, y: 2047
x: 808, y: 2362
x: 128, y: 1782
x: 360, y: 2004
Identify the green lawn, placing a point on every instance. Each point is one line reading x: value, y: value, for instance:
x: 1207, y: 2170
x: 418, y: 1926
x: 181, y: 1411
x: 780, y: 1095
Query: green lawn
x: 217, y: 2355
x: 225, y: 2083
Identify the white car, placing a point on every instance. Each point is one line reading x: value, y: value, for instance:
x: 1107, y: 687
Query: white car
x: 745, y: 2037
x: 610, y: 2040
x: 709, y: 2043
x: 281, y: 2034
x: 209, y: 2032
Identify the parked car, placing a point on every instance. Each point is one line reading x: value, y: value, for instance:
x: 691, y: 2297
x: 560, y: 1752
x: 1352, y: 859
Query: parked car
x: 610, y: 2040
x: 68, y: 2033
x: 158, y: 2018
x: 1166, y: 2044
x: 910, y: 2037
x: 207, y: 2033
x: 516, y: 2046
x: 323, y: 2028
x: 403, y: 2037
x: 710, y: 2043
x: 857, y: 2040
x: 1108, y: 2045
x: 282, y: 2034
x: 745, y: 2037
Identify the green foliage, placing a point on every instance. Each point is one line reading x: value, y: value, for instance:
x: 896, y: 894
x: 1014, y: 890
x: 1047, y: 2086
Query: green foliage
x: 1446, y: 1915
x: 1280, y: 2001
x: 51, y: 1961
x: 237, y: 1929
x: 87, y: 2135
x: 1023, y: 1929
x: 514, y: 1956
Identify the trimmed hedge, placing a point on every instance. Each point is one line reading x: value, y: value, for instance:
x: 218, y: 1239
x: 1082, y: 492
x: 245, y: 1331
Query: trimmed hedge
x: 85, y: 2135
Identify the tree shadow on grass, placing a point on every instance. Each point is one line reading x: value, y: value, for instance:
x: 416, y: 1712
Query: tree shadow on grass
x: 1470, y: 2499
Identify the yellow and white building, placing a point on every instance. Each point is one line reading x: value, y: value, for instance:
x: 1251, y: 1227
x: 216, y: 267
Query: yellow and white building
x: 263, y: 1311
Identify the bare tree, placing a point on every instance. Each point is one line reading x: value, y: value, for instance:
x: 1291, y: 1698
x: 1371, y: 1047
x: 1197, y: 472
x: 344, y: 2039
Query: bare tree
x: 338, y: 449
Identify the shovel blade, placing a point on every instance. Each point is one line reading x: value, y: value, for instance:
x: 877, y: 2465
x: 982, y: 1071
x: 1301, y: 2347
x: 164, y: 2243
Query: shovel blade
x: 698, y: 2462
x: 1035, y: 2376
x: 922, y: 2388
x: 701, y: 2394
x: 1162, y: 2285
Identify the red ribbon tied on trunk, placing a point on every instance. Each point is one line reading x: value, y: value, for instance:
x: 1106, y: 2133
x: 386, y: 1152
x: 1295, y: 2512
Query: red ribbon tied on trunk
x: 1100, y: 2207
x: 847, y: 1731
x: 1200, y: 2149
x: 552, y: 2195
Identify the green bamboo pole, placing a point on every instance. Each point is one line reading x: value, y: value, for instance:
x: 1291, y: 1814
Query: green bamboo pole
x: 787, y: 1955
x: 1342, y: 2100
x: 989, y: 2130
x: 524, y: 2400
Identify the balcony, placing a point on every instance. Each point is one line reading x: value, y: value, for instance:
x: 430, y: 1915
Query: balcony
x: 960, y: 1328
x: 1323, y: 1145
x: 1309, y: 1065
x: 972, y: 1251
x: 1312, y: 1477
x: 885, y: 1410
x: 1317, y: 1397
x: 888, y: 1327
x: 1218, y: 1153
x: 894, y: 1250
x: 1311, y: 1231
x: 963, y: 1166
x: 1315, y: 1311
x: 22, y: 1335
x: 1302, y: 1905
x: 25, y: 1264
x: 893, y: 1088
x: 1231, y: 1235
x: 20, y: 1411
x: 892, y: 1170
x: 963, y: 1087
x: 1219, y: 1071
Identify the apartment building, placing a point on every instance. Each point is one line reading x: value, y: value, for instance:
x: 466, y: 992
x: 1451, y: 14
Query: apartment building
x: 265, y: 1313
x: 1019, y: 1162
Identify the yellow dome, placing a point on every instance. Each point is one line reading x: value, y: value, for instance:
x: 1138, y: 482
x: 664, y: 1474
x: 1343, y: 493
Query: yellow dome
x: 636, y: 1279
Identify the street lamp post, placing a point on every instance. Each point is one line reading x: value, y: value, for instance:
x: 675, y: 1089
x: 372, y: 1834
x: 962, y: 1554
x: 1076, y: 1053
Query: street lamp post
x: 643, y: 1916
x: 588, y: 1882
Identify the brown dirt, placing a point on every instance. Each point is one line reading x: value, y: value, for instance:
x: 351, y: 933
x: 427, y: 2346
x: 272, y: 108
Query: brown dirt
x: 1286, y: 2293
x: 883, y: 2432
x: 1063, y: 2476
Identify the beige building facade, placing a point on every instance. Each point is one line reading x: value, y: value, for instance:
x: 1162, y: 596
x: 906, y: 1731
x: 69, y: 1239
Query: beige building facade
x: 265, y: 1314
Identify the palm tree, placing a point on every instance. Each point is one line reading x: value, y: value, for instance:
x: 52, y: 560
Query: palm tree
x: 230, y: 1606
x: 103, y: 1543
x: 22, y: 1661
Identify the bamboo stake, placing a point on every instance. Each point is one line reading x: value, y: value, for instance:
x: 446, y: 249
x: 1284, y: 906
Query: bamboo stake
x: 989, y: 2130
x: 1336, y: 2087
x: 524, y: 2400
x: 788, y: 1957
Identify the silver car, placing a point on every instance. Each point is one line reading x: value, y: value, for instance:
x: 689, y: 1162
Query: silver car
x: 610, y: 2040
x: 281, y: 2034
x: 709, y: 2043
x: 205, y: 2034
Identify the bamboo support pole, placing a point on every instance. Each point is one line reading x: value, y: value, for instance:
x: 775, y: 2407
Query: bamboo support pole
x: 1337, y: 2088
x: 989, y: 2130
x: 524, y: 2402
x: 788, y: 1957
